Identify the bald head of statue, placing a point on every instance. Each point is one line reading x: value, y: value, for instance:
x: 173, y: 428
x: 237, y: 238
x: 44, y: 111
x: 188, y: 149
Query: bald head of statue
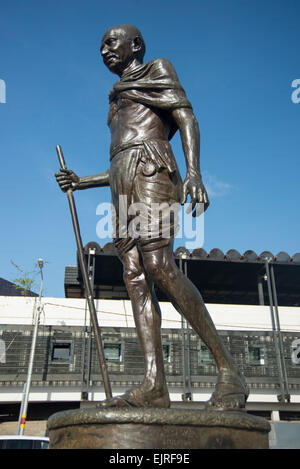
x: 121, y: 47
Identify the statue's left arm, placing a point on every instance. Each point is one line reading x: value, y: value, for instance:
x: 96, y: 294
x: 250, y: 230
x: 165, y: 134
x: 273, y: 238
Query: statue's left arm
x: 190, y: 138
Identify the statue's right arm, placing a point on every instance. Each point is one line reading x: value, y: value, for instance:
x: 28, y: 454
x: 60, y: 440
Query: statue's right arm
x: 67, y: 179
x: 97, y: 180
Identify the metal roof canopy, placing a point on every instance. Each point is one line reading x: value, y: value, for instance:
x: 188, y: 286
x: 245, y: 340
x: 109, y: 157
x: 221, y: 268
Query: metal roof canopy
x: 229, y: 278
x: 8, y: 288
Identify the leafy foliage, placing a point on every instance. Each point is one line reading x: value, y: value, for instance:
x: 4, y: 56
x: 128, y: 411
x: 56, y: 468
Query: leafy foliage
x: 26, y: 280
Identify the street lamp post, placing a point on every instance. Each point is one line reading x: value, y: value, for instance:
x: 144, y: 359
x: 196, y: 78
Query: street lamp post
x: 26, y: 389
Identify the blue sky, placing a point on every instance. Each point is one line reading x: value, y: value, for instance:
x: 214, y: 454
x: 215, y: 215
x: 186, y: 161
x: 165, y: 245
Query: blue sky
x: 236, y: 59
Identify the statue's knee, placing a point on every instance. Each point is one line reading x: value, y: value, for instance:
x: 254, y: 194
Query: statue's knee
x: 131, y: 274
x: 161, y: 272
x: 172, y: 274
x: 153, y: 269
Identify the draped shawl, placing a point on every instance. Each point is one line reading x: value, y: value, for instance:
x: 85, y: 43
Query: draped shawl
x: 154, y: 84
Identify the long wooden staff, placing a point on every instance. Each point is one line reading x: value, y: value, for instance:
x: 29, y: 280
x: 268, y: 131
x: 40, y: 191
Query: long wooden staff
x: 86, y: 281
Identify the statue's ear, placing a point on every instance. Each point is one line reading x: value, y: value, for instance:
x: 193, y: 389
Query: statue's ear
x: 136, y: 44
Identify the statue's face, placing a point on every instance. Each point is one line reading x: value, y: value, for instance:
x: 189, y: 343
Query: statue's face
x: 116, y: 50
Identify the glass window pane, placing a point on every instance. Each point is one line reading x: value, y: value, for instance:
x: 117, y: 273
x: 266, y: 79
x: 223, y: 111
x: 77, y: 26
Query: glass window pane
x: 205, y: 355
x: 166, y: 352
x: 112, y: 352
x: 61, y: 352
x: 256, y: 355
x: 41, y: 444
x: 18, y: 444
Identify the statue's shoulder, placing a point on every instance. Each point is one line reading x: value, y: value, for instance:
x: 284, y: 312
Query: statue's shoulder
x: 164, y: 67
x: 163, y: 63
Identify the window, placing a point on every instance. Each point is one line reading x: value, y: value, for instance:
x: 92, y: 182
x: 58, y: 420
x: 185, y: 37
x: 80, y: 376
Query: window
x: 112, y: 352
x: 24, y: 443
x: 166, y: 353
x: 206, y: 357
x: 2, y: 351
x: 256, y: 355
x: 61, y: 352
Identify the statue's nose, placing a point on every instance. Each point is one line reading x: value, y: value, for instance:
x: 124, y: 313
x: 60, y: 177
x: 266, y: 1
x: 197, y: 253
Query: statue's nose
x: 103, y: 50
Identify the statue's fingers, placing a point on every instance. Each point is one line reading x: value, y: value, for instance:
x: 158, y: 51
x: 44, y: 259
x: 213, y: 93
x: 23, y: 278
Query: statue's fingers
x: 205, y: 198
x: 200, y: 196
x: 193, y: 192
x: 206, y: 201
x: 199, y: 209
x: 65, y: 171
x: 64, y: 182
x: 63, y: 176
x: 195, y: 205
x: 184, y: 194
x: 65, y: 186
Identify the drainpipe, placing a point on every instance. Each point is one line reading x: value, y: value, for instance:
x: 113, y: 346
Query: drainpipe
x: 185, y: 332
x: 260, y: 290
x: 287, y: 394
x: 277, y: 334
x: 26, y: 389
x: 86, y: 365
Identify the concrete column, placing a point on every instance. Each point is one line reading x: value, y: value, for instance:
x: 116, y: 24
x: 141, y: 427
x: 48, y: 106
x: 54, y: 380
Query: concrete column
x: 275, y: 416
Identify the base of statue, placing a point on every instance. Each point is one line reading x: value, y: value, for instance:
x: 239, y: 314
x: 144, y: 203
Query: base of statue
x: 136, y: 428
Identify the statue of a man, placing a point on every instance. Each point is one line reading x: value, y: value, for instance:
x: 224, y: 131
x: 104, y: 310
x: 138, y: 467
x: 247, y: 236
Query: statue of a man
x: 147, y: 106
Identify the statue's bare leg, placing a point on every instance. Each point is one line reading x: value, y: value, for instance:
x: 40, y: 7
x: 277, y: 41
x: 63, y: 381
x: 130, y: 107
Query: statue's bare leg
x: 231, y: 390
x: 153, y: 390
x: 159, y: 265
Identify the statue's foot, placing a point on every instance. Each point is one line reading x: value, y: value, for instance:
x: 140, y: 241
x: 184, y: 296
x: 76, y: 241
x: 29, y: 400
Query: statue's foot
x: 137, y: 397
x: 231, y: 392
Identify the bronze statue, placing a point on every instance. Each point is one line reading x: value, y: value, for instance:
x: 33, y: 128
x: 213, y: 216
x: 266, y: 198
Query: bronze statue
x: 147, y: 106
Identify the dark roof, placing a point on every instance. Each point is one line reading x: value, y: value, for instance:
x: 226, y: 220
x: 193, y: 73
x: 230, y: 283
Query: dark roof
x: 10, y: 289
x: 230, y: 278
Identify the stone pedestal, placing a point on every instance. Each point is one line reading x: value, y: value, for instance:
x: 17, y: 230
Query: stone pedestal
x: 156, y: 429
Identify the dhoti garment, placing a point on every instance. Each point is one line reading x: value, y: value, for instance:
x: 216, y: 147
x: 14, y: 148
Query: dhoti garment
x: 146, y: 188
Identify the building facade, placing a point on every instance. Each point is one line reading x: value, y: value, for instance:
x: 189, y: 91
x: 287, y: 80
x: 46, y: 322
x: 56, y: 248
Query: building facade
x: 262, y: 334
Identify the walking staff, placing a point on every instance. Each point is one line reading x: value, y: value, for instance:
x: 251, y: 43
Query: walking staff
x: 86, y: 281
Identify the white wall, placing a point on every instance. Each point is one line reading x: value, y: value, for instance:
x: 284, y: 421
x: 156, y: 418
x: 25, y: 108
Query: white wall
x: 118, y: 313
